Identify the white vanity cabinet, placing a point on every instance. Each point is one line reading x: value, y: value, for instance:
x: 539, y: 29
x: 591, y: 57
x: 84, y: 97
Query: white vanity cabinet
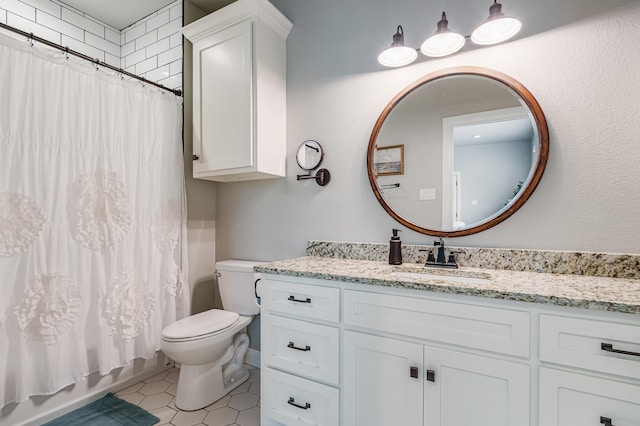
x: 350, y: 354
x: 604, y: 390
x: 300, y: 354
x: 239, y: 92
x: 388, y: 380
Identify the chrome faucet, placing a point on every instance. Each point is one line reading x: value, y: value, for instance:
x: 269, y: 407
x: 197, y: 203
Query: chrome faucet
x: 441, y: 260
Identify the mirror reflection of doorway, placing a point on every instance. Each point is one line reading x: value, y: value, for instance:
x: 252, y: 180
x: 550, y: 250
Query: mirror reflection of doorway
x: 458, y: 223
x: 494, y: 150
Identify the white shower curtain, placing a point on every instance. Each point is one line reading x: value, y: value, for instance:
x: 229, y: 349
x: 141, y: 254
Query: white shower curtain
x: 92, y: 220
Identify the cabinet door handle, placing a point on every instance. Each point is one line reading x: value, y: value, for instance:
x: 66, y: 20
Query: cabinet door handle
x: 293, y: 299
x: 413, y: 372
x: 293, y: 402
x: 606, y: 421
x: 293, y: 346
x: 431, y: 376
x: 195, y: 157
x: 609, y: 348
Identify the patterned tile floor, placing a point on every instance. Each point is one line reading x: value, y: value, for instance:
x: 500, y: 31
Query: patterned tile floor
x: 157, y: 395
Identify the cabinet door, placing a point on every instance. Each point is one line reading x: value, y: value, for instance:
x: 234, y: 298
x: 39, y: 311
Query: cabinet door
x: 223, y: 104
x: 378, y: 387
x: 570, y: 399
x: 473, y: 390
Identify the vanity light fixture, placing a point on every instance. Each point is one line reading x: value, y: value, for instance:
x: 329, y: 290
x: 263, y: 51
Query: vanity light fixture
x: 397, y: 55
x: 444, y: 42
x: 496, y: 29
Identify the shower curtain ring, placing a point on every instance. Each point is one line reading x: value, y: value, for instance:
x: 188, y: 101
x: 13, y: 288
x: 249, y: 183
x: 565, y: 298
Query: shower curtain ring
x: 66, y: 52
x: 30, y: 39
x: 97, y: 64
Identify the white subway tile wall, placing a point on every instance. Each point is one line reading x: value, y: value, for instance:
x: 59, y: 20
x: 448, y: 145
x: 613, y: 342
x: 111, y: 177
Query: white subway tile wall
x: 150, y: 48
x: 149, y: 45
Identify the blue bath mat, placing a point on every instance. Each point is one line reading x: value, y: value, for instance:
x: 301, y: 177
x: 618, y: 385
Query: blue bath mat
x: 107, y: 411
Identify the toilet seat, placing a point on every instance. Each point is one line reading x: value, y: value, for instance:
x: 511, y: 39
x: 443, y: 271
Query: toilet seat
x: 200, y: 326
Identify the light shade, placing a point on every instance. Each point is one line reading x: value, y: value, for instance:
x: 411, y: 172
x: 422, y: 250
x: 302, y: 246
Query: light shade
x: 444, y: 42
x: 497, y: 28
x: 397, y: 55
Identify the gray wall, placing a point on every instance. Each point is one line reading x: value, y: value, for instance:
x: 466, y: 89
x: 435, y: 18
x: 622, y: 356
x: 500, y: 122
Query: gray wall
x: 583, y: 74
x: 201, y: 199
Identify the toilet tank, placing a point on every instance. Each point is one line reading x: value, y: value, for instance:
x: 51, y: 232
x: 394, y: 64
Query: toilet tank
x: 236, y: 281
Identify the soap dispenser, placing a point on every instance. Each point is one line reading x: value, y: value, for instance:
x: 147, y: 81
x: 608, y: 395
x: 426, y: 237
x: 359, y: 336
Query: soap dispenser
x: 395, y: 249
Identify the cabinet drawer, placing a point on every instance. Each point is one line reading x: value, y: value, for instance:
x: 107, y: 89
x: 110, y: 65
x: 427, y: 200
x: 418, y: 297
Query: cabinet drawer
x: 301, y: 300
x: 300, y: 347
x: 570, y: 399
x: 294, y: 401
x: 581, y: 343
x: 498, y: 330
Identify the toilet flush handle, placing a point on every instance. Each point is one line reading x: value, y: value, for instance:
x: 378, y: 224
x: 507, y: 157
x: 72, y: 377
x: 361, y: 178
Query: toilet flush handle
x: 255, y: 291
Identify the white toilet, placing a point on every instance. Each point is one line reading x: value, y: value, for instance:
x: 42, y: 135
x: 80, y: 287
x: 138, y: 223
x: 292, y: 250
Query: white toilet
x: 210, y: 346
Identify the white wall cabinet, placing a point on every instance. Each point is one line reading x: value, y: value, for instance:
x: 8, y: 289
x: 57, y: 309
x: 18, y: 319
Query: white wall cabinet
x: 355, y: 355
x: 239, y: 92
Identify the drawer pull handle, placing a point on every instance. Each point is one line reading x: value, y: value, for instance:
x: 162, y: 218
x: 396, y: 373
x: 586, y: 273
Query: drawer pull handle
x: 293, y: 299
x: 293, y: 346
x: 606, y: 421
x: 292, y: 401
x: 609, y: 348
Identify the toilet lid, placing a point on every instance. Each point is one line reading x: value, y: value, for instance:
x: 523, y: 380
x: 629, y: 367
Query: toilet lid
x: 193, y: 326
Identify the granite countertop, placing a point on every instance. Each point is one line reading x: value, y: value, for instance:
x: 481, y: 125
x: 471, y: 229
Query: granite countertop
x: 580, y: 291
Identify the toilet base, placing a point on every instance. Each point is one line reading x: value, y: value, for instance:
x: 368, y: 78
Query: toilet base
x: 202, y: 385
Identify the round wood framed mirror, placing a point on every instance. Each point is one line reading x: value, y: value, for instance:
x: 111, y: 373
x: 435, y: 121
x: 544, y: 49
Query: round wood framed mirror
x: 458, y: 151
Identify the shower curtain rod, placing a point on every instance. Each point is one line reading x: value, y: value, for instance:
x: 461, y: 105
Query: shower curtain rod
x: 95, y: 61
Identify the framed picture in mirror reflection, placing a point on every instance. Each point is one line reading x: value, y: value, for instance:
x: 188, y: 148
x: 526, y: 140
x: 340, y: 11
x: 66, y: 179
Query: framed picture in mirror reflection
x: 389, y: 160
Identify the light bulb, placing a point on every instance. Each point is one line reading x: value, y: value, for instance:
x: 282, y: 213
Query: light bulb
x: 443, y: 44
x: 397, y: 56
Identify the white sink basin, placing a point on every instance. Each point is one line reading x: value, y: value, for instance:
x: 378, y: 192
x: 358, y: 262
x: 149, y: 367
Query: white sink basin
x: 447, y: 278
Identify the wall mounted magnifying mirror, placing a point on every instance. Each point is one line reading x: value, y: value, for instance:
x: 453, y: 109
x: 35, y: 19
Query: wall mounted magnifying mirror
x: 475, y: 146
x: 309, y: 157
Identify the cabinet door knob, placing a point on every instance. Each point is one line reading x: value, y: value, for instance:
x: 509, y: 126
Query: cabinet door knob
x: 606, y: 421
x: 413, y: 372
x: 293, y: 346
x: 195, y: 157
x: 609, y: 348
x: 293, y: 402
x: 431, y: 376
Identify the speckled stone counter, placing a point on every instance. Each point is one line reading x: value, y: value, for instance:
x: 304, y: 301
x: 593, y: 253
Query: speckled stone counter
x: 556, y: 262
x: 580, y: 291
